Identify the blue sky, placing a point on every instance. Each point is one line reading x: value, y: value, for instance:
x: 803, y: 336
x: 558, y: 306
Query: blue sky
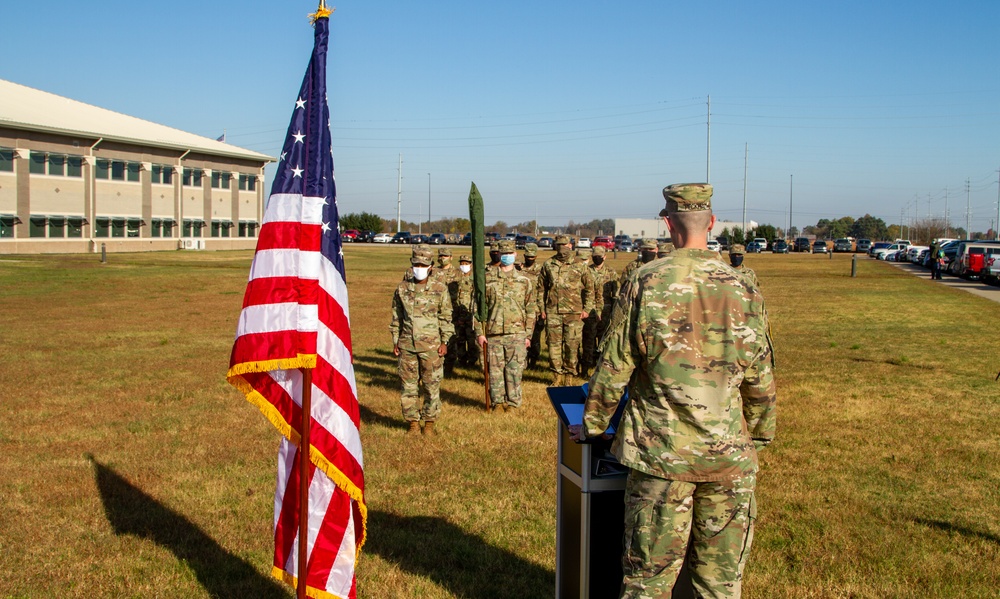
x: 567, y: 110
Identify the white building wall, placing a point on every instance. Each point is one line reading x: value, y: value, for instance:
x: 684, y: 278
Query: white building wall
x: 8, y: 193
x: 57, y: 195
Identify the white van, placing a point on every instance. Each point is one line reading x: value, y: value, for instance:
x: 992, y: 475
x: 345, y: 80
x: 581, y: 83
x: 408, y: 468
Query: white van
x: 761, y: 242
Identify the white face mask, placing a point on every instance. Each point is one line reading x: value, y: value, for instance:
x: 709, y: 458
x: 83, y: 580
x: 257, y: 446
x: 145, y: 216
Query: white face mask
x: 420, y: 272
x: 465, y: 268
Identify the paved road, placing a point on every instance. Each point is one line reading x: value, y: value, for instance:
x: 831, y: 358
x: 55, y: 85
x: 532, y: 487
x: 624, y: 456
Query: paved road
x: 979, y: 288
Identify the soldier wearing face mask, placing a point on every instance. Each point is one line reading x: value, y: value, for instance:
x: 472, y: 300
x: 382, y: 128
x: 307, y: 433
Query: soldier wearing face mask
x: 567, y: 300
x: 736, y: 252
x: 448, y: 274
x: 605, y: 280
x: 421, y: 328
x: 647, y: 253
x: 494, y: 255
x: 531, y: 269
x: 466, y: 348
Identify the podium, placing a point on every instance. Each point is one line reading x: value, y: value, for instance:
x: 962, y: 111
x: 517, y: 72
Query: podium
x: 590, y: 512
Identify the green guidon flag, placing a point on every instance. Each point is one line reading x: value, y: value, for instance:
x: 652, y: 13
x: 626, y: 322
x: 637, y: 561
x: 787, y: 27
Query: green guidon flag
x: 478, y: 255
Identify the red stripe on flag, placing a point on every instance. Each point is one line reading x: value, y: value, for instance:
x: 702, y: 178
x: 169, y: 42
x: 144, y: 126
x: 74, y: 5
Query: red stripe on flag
x: 277, y: 345
x: 328, y: 539
x: 288, y: 235
x: 279, y: 290
x: 339, y: 389
x: 332, y: 314
x: 288, y: 519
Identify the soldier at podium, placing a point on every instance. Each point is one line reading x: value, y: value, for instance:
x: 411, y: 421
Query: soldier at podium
x: 688, y: 336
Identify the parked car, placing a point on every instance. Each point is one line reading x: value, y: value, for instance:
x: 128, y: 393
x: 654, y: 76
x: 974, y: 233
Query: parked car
x: 438, y: 239
x: 401, y: 237
x: 626, y: 245
x: 714, y: 245
x: 878, y: 245
x: 466, y: 239
x: 605, y: 242
x: 365, y: 236
x: 779, y: 247
x: 417, y: 239
x: 382, y: 238
x: 619, y: 239
x: 892, y: 249
x: 913, y: 251
x: 350, y: 235
x: 521, y: 240
x: 971, y: 258
x: 489, y: 238
x: 545, y: 242
x: 802, y: 244
x: 723, y: 242
x: 761, y: 243
x: 843, y: 245
x: 583, y: 242
x: 819, y: 247
x: 753, y: 247
x: 863, y: 245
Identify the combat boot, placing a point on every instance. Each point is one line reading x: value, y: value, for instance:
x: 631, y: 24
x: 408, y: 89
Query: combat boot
x: 414, y: 427
x: 429, y: 429
x: 557, y: 380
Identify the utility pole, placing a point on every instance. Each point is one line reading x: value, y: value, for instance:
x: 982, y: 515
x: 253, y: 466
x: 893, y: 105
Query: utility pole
x: 708, y: 155
x: 947, y: 215
x: 968, y: 212
x: 399, y: 191
x: 901, y: 210
x: 791, y: 185
x: 746, y: 155
x: 996, y: 234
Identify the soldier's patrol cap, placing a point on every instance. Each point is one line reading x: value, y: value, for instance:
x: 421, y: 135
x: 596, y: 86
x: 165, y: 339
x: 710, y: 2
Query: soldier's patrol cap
x: 422, y: 256
x: 584, y: 252
x: 562, y: 240
x: 444, y: 252
x: 687, y: 197
x: 737, y: 248
x: 506, y: 246
x: 530, y: 249
x: 648, y: 245
x: 599, y: 251
x: 495, y: 245
x: 465, y: 258
x: 664, y: 248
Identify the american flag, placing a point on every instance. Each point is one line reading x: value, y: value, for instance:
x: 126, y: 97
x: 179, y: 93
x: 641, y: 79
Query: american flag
x: 295, y: 315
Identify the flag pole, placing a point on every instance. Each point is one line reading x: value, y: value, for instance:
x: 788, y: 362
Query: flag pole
x: 303, y: 572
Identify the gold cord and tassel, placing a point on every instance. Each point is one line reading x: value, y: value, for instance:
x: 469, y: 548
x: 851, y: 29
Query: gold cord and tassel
x: 321, y: 12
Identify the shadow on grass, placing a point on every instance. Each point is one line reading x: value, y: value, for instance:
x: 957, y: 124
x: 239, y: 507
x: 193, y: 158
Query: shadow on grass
x: 461, y: 562
x: 370, y: 416
x: 132, y: 512
x: 965, y: 532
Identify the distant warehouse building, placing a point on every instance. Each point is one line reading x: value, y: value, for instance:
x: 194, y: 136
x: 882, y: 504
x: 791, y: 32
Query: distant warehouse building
x: 638, y: 228
x: 74, y: 176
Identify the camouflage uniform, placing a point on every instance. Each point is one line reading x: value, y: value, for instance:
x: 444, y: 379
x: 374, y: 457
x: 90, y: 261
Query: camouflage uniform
x: 466, y: 348
x: 738, y: 250
x: 604, y: 279
x: 421, y: 322
x: 449, y: 275
x: 688, y: 337
x: 566, y: 288
x: 647, y: 246
x: 510, y: 314
x: 663, y: 249
x: 532, y: 272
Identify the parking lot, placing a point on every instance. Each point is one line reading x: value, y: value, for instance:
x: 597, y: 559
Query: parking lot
x: 976, y: 287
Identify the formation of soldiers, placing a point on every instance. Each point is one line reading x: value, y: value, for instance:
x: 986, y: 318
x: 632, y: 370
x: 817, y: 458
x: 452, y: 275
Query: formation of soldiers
x: 569, y: 297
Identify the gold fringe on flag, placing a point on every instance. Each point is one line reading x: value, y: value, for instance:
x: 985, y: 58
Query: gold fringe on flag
x: 321, y: 13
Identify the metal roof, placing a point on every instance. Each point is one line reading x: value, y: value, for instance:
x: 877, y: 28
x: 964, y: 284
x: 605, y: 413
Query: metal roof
x: 23, y: 107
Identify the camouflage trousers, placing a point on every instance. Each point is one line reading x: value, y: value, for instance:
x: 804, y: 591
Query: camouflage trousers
x: 425, y: 367
x: 463, y: 347
x: 564, y: 332
x: 661, y: 516
x: 507, y: 356
x: 536, y: 343
x: 588, y: 350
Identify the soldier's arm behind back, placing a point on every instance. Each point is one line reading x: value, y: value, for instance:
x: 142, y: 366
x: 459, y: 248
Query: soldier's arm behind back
x: 616, y: 365
x: 758, y: 390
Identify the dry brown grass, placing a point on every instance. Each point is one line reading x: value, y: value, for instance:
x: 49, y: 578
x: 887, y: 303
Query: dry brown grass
x: 128, y: 467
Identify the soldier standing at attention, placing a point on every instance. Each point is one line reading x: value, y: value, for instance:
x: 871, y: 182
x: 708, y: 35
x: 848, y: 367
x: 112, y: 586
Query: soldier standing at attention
x: 466, y: 348
x: 605, y: 281
x: 688, y: 336
x: 647, y: 253
x: 421, y: 328
x: 663, y: 249
x: 448, y: 274
x: 565, y: 285
x: 531, y: 269
x: 510, y: 314
x: 736, y: 252
x: 494, y: 255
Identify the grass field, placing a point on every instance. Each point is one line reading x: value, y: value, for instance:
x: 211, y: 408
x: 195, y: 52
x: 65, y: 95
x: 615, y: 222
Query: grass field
x: 129, y: 467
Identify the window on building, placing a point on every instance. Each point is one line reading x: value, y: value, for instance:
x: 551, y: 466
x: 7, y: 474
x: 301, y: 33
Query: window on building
x: 192, y: 177
x: 132, y: 227
x: 133, y: 171
x: 74, y: 166
x: 154, y: 227
x: 220, y: 179
x: 168, y: 227
x: 103, y: 227
x: 37, y: 163
x: 162, y: 173
x: 117, y: 170
x: 7, y: 226
x: 118, y: 227
x: 74, y: 226
x: 36, y: 226
x: 103, y: 170
x: 155, y: 173
x: 193, y: 228
x: 57, y: 164
x: 6, y: 161
x: 216, y: 228
x: 57, y: 226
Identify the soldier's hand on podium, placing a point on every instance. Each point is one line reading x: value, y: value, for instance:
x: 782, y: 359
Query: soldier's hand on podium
x: 577, y: 433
